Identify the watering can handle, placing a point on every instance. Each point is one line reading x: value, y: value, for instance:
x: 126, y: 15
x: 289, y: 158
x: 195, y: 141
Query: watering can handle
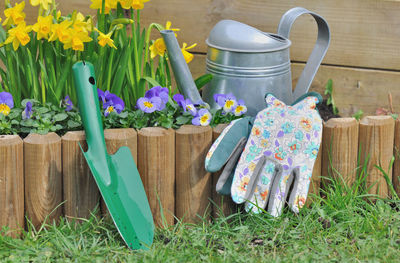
x: 318, y: 53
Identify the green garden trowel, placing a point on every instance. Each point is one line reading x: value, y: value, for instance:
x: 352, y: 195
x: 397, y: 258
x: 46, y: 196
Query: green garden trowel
x: 116, y: 175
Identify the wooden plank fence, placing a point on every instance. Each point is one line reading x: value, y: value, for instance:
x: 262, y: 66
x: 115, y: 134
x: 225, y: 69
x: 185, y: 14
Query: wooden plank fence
x: 363, y: 59
x: 171, y: 164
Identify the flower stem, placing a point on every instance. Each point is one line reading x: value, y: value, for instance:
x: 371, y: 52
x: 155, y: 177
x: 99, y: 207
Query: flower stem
x: 42, y: 74
x: 135, y: 51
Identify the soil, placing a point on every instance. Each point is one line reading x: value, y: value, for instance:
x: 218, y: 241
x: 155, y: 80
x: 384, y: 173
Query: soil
x: 326, y: 111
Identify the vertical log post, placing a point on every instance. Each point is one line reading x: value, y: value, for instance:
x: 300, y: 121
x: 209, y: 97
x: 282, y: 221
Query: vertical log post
x: 193, y: 183
x: 376, y: 141
x: 43, y: 177
x: 11, y: 184
x: 81, y: 195
x: 224, y: 206
x: 115, y: 139
x: 396, y: 153
x: 156, y: 164
x: 340, y: 149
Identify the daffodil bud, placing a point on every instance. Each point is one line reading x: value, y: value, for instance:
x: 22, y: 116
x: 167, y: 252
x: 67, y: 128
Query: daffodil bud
x: 122, y: 21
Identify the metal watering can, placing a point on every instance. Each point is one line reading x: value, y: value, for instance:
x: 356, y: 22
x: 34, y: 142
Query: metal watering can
x: 250, y: 63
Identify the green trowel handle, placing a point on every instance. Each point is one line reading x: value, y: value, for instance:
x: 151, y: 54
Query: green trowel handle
x: 88, y: 103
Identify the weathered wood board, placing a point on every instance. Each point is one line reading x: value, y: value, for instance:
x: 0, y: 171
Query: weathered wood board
x: 365, y: 33
x: 353, y: 88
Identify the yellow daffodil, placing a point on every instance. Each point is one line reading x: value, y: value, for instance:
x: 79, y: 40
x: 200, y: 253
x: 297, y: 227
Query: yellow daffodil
x: 43, y: 26
x: 135, y: 4
x: 19, y: 35
x: 76, y: 40
x: 14, y: 15
x: 168, y: 27
x: 60, y: 31
x: 43, y: 3
x: 109, y: 4
x: 81, y: 25
x: 126, y: 4
x: 188, y: 56
x: 138, y: 4
x: 105, y: 39
x: 58, y: 14
x: 158, y: 48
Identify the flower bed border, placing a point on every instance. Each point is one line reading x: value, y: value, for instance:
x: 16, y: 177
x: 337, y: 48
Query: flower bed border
x: 376, y: 132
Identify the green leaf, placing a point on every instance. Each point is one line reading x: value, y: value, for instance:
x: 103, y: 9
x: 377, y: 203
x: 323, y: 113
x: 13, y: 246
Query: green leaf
x: 328, y: 87
x: 358, y: 115
x: 60, y: 117
x: 181, y: 120
x: 42, y: 110
x: 73, y: 124
x: 203, y: 80
x: 151, y: 81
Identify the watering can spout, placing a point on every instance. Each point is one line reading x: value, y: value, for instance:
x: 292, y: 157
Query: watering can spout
x: 180, y: 68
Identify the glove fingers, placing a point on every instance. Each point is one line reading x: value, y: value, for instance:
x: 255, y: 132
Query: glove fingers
x: 299, y: 193
x: 224, y: 182
x: 278, y: 194
x: 258, y: 201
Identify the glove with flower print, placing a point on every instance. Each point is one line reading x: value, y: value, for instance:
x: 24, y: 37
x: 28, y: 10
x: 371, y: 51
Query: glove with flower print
x: 280, y: 153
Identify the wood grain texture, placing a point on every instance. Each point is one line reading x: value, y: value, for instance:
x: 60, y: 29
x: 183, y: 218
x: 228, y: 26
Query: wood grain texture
x: 376, y: 138
x: 340, y: 149
x: 353, y: 89
x: 81, y: 195
x: 224, y: 206
x: 11, y: 184
x: 115, y: 139
x: 364, y: 33
x: 156, y: 164
x: 193, y: 183
x: 396, y: 153
x: 43, y: 177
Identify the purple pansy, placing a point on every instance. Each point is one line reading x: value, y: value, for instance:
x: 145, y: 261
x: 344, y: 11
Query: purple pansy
x: 27, y: 113
x: 240, y: 108
x: 149, y: 105
x: 6, y: 102
x: 68, y: 103
x: 187, y: 104
x: 178, y: 98
x: 113, y: 104
x: 158, y: 91
x: 102, y: 95
x: 202, y: 118
x: 227, y: 102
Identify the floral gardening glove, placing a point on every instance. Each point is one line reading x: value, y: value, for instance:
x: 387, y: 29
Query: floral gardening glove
x: 226, y: 151
x: 280, y: 152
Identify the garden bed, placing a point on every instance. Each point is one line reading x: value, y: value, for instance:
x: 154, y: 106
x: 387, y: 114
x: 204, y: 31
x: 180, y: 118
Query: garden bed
x: 47, y: 175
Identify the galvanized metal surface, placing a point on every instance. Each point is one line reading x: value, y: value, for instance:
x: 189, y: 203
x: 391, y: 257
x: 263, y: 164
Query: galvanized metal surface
x: 250, y: 63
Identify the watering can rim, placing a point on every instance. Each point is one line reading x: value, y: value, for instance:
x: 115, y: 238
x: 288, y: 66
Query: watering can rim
x: 272, y: 42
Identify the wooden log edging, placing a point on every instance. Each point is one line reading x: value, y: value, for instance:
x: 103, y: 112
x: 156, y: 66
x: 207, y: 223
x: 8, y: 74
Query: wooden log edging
x: 156, y: 165
x: 193, y: 182
x: 376, y: 139
x: 43, y: 178
x: 340, y: 149
x: 163, y: 154
x: 11, y: 184
x: 80, y: 192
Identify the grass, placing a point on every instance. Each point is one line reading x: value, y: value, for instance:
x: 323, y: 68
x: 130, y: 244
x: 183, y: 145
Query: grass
x: 345, y: 226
